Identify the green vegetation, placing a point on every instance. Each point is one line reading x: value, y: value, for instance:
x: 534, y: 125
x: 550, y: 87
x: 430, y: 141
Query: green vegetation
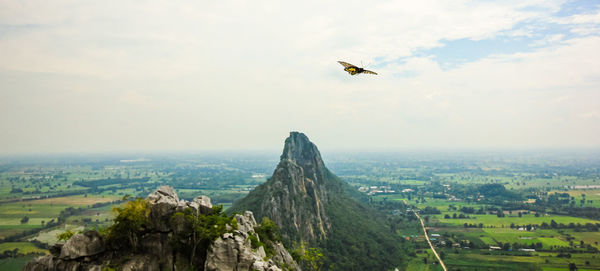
x: 311, y: 258
x: 269, y: 234
x: 127, y: 227
x: 15, y: 263
x: 64, y: 236
x: 195, y: 232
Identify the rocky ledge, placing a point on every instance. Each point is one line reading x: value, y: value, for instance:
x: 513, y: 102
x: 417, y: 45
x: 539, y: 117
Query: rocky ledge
x: 232, y: 251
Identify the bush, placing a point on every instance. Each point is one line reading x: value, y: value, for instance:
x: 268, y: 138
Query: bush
x: 64, y: 236
x: 128, y: 223
x: 195, y: 232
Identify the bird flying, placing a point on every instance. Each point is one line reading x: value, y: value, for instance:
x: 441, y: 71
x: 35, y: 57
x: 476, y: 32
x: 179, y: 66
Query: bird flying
x: 352, y: 70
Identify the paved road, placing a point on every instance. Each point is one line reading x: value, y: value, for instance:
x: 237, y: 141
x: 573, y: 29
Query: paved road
x: 430, y: 244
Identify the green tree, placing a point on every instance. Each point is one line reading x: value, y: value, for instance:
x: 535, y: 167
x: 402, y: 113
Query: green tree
x: 194, y: 233
x: 314, y: 259
x: 129, y: 223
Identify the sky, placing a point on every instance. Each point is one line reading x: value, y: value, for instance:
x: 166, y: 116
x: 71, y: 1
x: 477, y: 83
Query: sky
x: 102, y: 76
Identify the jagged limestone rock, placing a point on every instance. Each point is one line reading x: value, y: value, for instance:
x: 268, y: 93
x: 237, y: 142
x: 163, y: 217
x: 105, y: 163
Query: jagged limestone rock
x: 81, y: 245
x: 233, y: 251
x: 141, y: 262
x: 246, y: 222
x: 163, y: 204
x: 295, y: 196
x: 42, y: 263
x: 159, y: 245
x: 230, y: 252
x: 163, y: 194
x: 204, y: 205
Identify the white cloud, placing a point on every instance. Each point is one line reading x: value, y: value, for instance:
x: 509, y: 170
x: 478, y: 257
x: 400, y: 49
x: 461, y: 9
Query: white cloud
x: 187, y: 75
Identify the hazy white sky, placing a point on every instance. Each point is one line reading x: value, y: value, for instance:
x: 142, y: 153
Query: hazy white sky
x: 80, y: 76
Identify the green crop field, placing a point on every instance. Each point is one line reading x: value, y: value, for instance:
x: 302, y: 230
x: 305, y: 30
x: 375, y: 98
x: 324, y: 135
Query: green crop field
x: 24, y: 247
x: 14, y: 264
x: 499, y: 222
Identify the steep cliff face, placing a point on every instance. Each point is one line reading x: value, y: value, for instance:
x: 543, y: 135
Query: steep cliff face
x: 296, y: 195
x: 231, y: 251
x: 313, y: 206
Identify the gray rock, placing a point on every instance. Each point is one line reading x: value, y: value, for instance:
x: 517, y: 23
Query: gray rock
x: 158, y: 245
x: 81, y: 245
x: 246, y: 222
x: 204, y: 205
x: 141, y: 262
x: 42, y: 263
x: 163, y: 194
x: 163, y: 204
x: 233, y: 251
x: 55, y: 249
x: 281, y: 255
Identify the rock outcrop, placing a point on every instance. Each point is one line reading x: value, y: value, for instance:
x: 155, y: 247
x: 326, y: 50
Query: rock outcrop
x: 232, y: 251
x: 296, y: 194
x: 82, y: 245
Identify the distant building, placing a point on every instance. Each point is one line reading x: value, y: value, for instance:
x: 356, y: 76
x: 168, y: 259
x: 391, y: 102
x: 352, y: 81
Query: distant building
x: 495, y: 248
x: 435, y: 235
x: 527, y: 249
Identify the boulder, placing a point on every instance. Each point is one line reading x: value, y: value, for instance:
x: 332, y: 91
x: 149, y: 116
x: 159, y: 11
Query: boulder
x: 231, y: 252
x: 200, y: 204
x: 163, y: 204
x: 163, y: 194
x: 246, y: 222
x: 82, y: 245
x: 204, y: 205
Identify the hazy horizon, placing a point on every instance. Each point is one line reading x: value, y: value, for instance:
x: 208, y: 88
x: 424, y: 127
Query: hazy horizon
x: 156, y: 76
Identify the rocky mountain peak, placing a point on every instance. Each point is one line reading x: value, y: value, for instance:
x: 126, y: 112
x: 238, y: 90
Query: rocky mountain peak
x: 296, y: 194
x: 299, y: 149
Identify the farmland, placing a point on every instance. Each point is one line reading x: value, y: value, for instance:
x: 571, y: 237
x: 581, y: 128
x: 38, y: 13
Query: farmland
x: 473, y: 201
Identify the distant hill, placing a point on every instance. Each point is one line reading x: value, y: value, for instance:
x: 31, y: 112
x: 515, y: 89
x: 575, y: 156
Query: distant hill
x: 313, y: 206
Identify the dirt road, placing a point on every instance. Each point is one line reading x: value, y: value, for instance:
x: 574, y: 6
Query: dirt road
x: 430, y: 244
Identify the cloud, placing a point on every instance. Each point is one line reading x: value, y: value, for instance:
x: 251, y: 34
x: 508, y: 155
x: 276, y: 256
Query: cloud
x: 190, y: 75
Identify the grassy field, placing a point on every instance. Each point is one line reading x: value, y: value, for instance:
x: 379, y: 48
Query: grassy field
x: 499, y: 222
x: 590, y: 195
x: 14, y: 264
x: 417, y: 263
x: 538, y: 261
x: 24, y: 247
x: 42, y: 211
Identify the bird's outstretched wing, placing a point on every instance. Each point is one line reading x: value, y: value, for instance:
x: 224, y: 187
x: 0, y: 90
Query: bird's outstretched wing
x: 369, y: 72
x: 346, y: 64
